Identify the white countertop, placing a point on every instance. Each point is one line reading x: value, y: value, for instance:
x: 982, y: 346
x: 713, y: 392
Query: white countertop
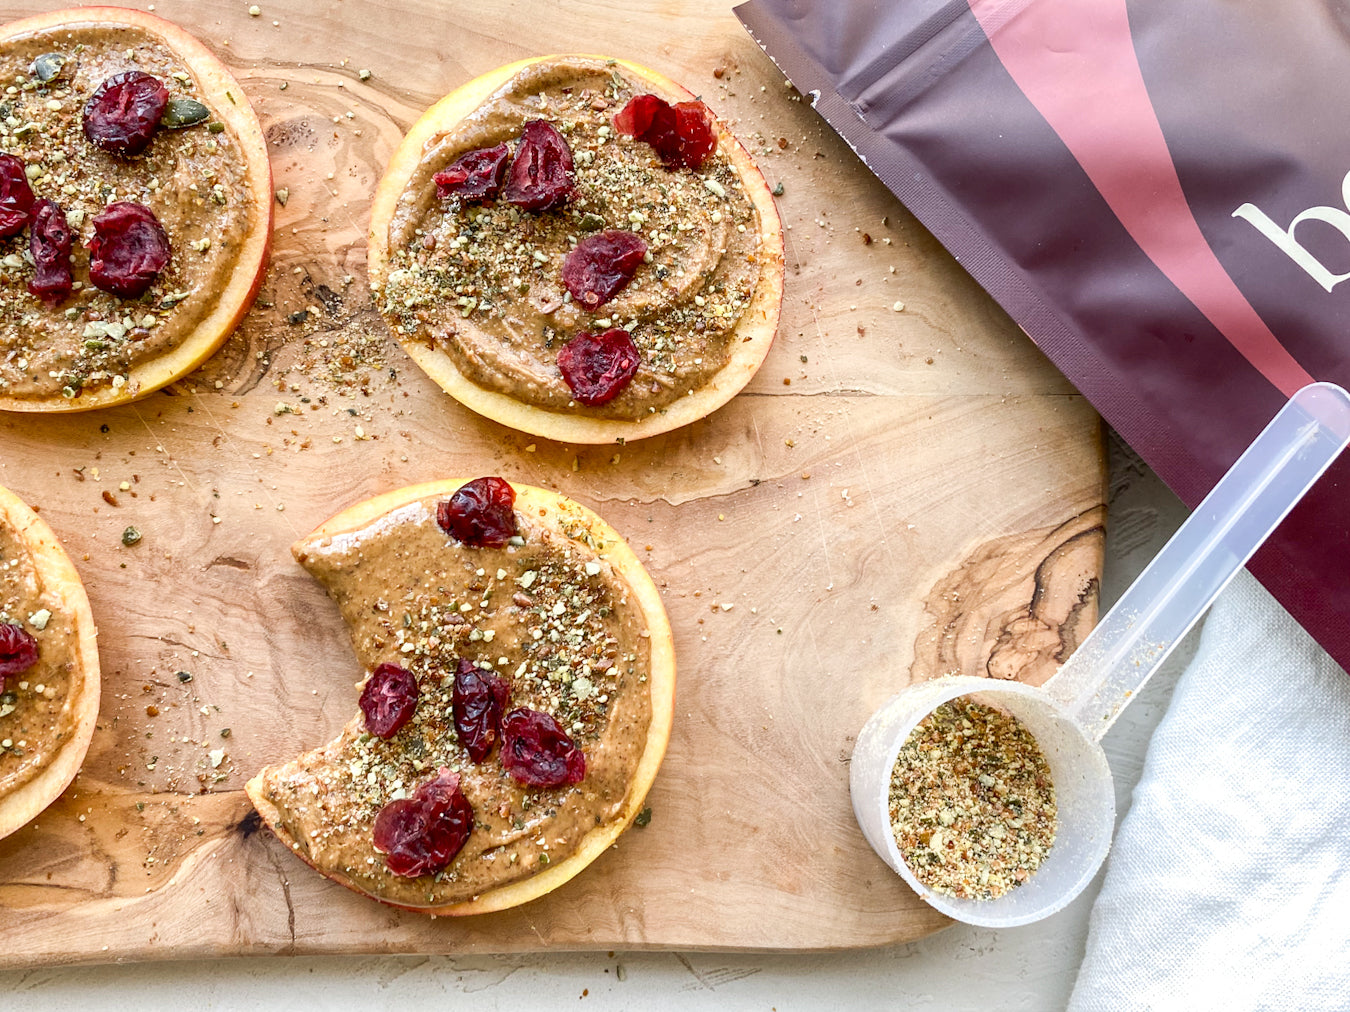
x: 960, y: 968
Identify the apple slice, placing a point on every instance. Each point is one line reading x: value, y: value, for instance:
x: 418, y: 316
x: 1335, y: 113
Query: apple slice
x: 748, y: 344
x: 564, y: 613
x: 34, y: 774
x: 218, y: 312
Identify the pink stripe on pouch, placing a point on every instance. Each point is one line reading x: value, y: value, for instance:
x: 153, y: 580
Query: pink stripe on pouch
x: 1075, y: 61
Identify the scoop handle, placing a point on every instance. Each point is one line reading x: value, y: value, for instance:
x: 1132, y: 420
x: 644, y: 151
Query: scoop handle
x: 1178, y: 586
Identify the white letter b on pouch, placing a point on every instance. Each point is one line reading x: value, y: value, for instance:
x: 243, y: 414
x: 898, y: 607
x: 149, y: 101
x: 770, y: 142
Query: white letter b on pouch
x: 1284, y: 238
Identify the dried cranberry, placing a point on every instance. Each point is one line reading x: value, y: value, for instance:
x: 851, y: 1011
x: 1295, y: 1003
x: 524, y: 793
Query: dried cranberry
x: 536, y: 751
x: 16, y: 196
x: 18, y: 650
x: 478, y: 703
x: 682, y: 135
x: 480, y: 513
x: 124, y: 110
x: 388, y: 700
x: 128, y: 250
x: 638, y: 114
x: 597, y: 367
x: 420, y: 835
x: 601, y: 265
x: 698, y: 138
x: 475, y: 176
x: 540, y: 176
x: 49, y: 241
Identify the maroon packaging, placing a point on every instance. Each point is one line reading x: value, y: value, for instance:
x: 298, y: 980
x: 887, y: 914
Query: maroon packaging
x: 1157, y: 191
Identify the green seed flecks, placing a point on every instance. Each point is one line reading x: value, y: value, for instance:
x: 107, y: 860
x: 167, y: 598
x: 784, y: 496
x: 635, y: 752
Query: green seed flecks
x: 47, y: 67
x: 184, y: 112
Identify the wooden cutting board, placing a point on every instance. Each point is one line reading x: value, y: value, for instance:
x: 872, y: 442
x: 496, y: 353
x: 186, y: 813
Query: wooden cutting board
x: 907, y: 488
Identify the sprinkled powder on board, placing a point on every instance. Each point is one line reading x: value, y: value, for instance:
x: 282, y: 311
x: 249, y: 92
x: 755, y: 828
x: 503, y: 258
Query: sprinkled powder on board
x: 971, y: 802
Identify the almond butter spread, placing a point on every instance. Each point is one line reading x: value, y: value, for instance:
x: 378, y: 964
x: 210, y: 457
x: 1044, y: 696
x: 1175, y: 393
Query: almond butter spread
x: 36, y: 707
x: 192, y: 178
x: 483, y: 282
x: 544, y: 612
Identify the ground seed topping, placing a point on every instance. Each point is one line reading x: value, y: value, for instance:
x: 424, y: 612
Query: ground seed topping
x: 972, y: 804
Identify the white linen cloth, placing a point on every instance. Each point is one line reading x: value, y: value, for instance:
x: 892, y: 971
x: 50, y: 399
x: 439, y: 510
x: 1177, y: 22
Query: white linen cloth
x: 1228, y: 886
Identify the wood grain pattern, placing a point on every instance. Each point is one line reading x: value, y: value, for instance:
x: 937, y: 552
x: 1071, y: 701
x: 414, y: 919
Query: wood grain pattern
x: 897, y: 494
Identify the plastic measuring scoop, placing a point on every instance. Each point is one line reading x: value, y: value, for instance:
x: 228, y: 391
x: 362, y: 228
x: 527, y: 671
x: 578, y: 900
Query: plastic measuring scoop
x: 1071, y: 712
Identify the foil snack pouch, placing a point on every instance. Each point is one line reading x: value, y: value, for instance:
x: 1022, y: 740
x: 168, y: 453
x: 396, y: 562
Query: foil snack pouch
x: 1157, y: 191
